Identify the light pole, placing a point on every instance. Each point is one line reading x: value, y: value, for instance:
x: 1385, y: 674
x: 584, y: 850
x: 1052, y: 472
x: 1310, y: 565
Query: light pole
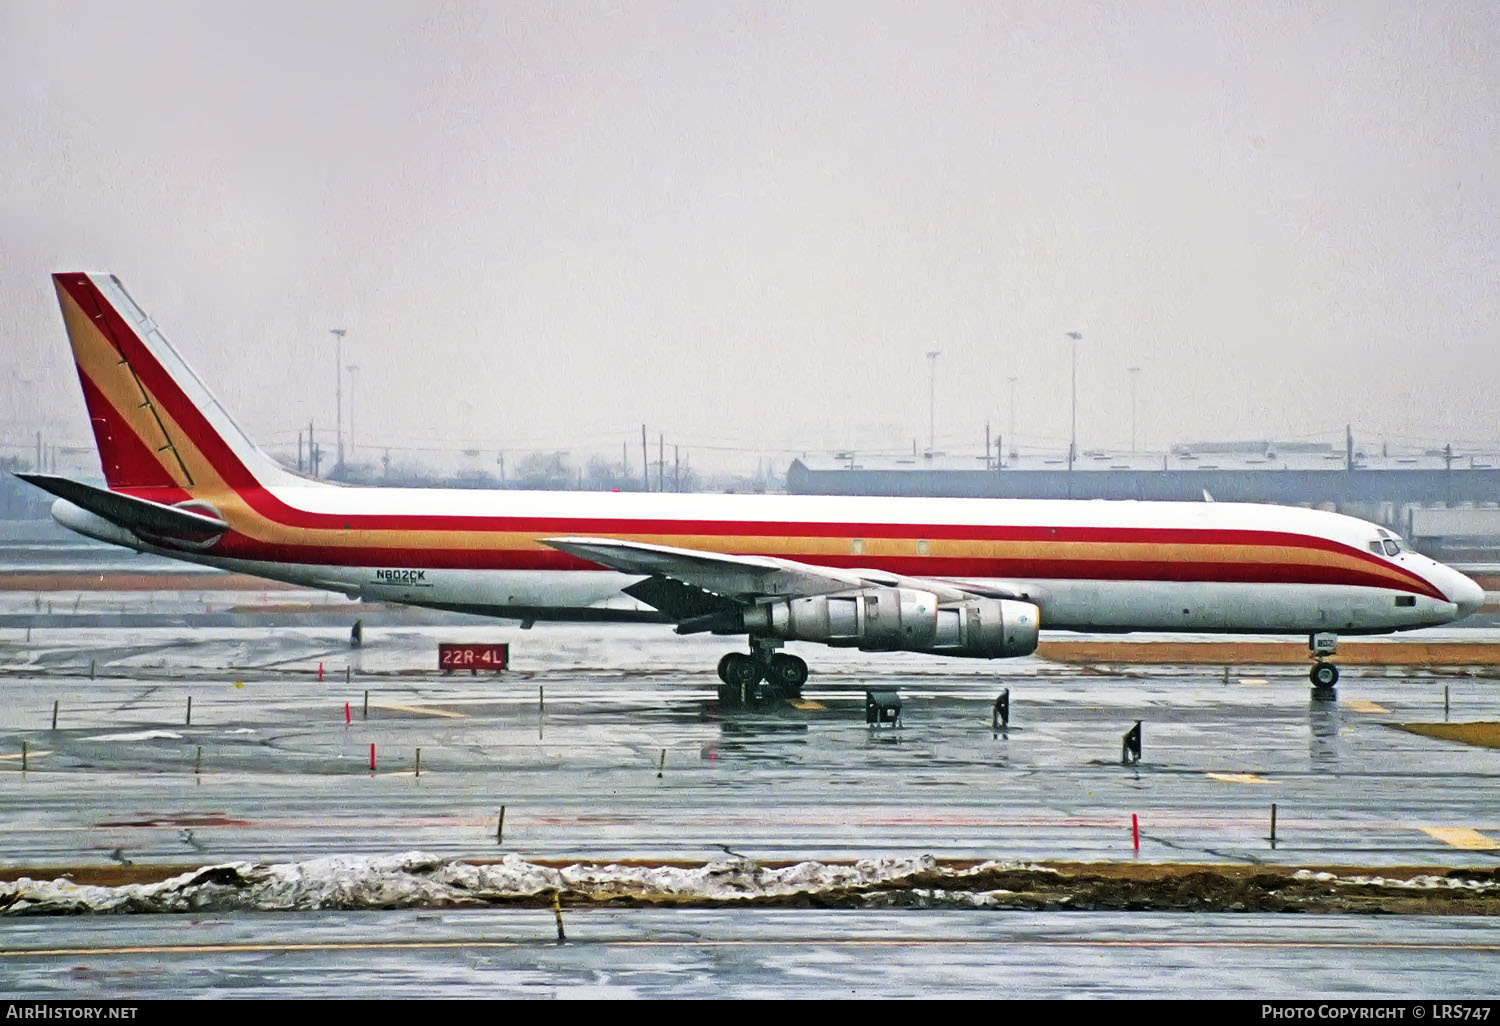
x: 1012, y: 381
x: 1073, y: 436
x: 351, y: 369
x: 338, y: 394
x: 932, y: 356
x: 1133, y: 372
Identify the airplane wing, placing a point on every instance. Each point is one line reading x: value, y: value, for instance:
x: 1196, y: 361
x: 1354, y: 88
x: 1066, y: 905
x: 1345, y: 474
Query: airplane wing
x: 745, y: 580
x: 739, y: 578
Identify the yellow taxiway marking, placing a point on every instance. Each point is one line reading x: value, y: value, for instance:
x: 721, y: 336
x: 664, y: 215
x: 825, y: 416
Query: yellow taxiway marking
x: 420, y: 710
x: 1462, y: 837
x: 1254, y: 682
x: 1240, y: 778
x: 30, y: 755
x: 807, y: 704
x: 1485, y: 734
x: 831, y: 942
x: 1364, y: 705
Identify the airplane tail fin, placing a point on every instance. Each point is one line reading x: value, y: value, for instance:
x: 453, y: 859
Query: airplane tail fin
x: 157, y: 426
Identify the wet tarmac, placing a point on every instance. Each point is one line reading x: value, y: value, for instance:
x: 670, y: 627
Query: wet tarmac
x: 696, y: 953
x: 572, y: 739
x: 609, y: 743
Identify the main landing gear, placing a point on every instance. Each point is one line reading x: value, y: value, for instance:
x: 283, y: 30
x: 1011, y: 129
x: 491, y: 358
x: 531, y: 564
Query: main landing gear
x: 761, y: 674
x: 1324, y: 675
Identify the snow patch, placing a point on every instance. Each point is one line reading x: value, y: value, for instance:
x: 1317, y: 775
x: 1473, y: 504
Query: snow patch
x: 1424, y: 882
x: 418, y: 880
x: 144, y: 735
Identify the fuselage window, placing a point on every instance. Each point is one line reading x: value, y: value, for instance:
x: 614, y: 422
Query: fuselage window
x: 1406, y: 600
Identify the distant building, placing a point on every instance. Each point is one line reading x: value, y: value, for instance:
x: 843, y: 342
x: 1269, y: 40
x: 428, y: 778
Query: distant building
x: 1348, y: 479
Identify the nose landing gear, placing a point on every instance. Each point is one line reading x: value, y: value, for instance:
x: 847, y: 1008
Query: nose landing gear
x: 1324, y: 675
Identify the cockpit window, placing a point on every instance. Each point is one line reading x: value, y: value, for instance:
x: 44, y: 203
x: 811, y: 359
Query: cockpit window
x: 1389, y: 544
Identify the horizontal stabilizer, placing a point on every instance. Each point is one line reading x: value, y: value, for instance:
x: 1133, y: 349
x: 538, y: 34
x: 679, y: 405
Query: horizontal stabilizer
x: 142, y: 516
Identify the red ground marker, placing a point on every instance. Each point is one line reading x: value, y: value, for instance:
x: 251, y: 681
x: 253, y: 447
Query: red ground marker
x: 1135, y: 826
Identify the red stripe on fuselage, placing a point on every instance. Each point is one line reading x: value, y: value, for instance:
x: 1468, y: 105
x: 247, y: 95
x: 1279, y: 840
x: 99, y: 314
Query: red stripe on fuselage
x: 668, y: 531
x: 238, y: 547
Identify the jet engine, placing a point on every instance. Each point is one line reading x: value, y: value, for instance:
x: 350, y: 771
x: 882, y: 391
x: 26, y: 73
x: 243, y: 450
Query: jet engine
x: 902, y: 619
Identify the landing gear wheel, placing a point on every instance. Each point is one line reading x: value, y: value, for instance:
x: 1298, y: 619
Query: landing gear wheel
x: 787, y: 674
x: 739, y: 670
x: 741, y: 674
x: 1323, y: 675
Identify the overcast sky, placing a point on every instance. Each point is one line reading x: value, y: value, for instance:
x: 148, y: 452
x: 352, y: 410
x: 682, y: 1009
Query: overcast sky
x: 745, y: 223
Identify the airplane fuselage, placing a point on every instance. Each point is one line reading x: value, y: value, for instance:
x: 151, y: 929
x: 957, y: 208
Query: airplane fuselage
x: 1087, y: 565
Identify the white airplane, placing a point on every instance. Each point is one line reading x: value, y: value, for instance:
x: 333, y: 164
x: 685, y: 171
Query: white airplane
x: 953, y: 577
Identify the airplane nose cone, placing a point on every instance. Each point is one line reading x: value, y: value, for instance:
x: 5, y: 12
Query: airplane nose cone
x: 1465, y: 594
